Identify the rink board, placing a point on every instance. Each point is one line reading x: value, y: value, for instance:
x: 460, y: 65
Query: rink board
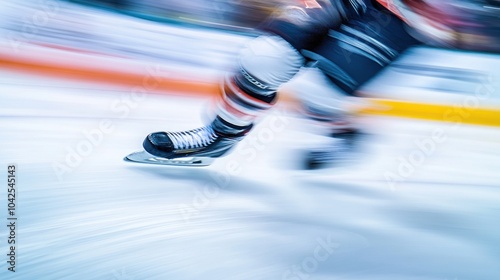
x: 441, y: 85
x: 424, y: 83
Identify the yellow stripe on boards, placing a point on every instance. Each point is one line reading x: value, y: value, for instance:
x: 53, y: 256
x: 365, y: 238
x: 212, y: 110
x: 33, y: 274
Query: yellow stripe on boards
x: 434, y: 112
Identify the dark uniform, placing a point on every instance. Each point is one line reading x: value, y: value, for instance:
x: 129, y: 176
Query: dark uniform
x: 350, y: 41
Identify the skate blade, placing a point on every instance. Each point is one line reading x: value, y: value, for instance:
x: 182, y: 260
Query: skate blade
x: 145, y: 157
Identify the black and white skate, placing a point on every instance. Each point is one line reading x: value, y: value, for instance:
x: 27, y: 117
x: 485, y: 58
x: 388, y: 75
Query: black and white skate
x: 197, y: 147
x: 341, y: 150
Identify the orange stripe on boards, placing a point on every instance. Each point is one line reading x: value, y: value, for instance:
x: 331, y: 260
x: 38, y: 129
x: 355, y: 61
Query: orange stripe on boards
x: 192, y: 87
x: 166, y: 85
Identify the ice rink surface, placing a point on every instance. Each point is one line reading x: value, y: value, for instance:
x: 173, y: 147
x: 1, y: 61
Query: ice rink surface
x: 84, y: 213
x: 421, y: 200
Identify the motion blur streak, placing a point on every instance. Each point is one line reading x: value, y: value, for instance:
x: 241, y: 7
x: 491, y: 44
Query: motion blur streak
x: 421, y: 200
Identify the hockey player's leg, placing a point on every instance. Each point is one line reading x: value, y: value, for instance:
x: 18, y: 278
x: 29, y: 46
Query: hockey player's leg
x: 331, y: 111
x: 348, y: 57
x: 264, y: 65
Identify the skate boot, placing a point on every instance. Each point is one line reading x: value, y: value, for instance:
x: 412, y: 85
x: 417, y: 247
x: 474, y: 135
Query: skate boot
x: 332, y: 112
x: 342, y: 149
x: 197, y: 147
x: 203, y: 143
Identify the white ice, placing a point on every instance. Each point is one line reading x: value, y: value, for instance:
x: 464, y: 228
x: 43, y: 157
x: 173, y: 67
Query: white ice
x: 86, y: 214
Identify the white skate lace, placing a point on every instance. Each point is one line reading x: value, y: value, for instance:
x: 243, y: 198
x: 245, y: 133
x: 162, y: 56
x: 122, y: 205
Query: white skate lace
x: 192, y: 139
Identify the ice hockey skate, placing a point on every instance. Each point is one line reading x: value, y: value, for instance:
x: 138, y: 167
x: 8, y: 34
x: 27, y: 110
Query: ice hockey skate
x: 245, y: 95
x: 342, y: 149
x: 197, y: 147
